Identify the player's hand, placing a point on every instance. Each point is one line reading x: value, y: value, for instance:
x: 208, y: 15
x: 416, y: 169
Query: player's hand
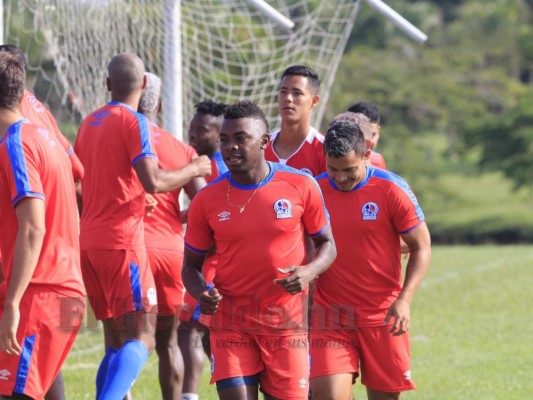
x: 209, y: 300
x: 297, y: 280
x: 150, y: 204
x: 202, y: 166
x: 8, y: 331
x: 401, y: 312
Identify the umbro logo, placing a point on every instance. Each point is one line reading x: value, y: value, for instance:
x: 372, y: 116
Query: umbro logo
x: 303, y: 383
x: 4, y: 374
x: 224, y: 216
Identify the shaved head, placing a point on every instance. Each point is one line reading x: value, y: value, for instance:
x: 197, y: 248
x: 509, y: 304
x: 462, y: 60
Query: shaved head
x: 125, y: 73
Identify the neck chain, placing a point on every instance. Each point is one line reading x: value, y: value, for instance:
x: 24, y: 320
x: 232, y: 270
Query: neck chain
x: 241, y: 208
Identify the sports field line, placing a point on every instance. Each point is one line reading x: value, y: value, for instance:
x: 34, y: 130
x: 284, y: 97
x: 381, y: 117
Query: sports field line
x: 484, y: 267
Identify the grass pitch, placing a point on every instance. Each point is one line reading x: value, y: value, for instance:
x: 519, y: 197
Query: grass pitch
x: 471, y: 332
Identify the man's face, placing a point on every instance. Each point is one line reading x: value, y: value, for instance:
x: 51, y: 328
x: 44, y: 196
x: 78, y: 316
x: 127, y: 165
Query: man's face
x: 242, y: 143
x: 296, y: 98
x: 347, y: 171
x: 204, y: 130
x: 375, y: 133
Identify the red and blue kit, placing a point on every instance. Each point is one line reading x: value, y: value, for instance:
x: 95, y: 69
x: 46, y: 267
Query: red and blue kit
x: 163, y: 231
x: 353, y: 296
x: 34, y: 165
x: 258, y: 229
x: 308, y: 158
x: 251, y: 245
x: 110, y: 141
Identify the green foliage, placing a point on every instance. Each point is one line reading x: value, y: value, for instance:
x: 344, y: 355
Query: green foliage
x: 457, y: 108
x: 506, y: 141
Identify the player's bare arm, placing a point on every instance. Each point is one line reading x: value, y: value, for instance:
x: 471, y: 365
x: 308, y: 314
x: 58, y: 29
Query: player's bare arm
x: 195, y: 284
x: 156, y: 180
x: 301, y: 276
x: 419, y: 242
x: 30, y: 235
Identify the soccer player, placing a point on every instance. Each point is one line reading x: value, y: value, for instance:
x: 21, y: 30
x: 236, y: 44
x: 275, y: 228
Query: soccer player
x: 257, y: 215
x: 115, y: 146
x: 193, y: 336
x: 36, y: 112
x: 163, y: 234
x: 372, y: 112
x: 40, y: 247
x: 361, y: 314
x: 297, y: 144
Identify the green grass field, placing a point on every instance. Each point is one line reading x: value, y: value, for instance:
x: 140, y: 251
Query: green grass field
x: 472, y: 332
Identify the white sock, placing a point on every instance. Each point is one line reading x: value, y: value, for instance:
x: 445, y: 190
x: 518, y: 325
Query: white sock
x: 189, y: 396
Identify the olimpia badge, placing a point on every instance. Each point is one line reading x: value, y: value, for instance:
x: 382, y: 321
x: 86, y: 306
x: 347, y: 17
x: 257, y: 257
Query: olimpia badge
x: 370, y: 211
x: 283, y: 208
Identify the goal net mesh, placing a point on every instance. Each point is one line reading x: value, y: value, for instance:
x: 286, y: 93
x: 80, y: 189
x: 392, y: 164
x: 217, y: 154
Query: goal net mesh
x: 229, y: 50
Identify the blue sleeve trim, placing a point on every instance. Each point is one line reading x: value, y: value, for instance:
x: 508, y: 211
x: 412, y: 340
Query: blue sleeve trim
x: 144, y: 128
x: 17, y: 159
x: 24, y: 364
x: 143, y: 155
x: 402, y: 184
x: 411, y: 229
x: 321, y: 231
x: 195, y: 250
x: 23, y: 195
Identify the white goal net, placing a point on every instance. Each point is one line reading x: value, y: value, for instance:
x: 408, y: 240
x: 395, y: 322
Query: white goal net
x: 229, y: 49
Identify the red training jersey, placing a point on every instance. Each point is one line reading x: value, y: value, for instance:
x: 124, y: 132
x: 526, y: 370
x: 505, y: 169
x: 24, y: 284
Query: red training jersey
x: 366, y: 276
x: 377, y: 160
x: 110, y: 141
x: 308, y: 158
x: 32, y: 109
x: 32, y: 164
x: 251, y: 245
x: 163, y: 229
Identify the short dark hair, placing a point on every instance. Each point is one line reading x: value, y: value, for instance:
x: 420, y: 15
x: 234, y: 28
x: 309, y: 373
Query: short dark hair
x: 343, y: 137
x: 302, y: 70
x: 13, y: 78
x: 368, y: 109
x: 211, y: 107
x: 246, y: 109
x: 16, y: 51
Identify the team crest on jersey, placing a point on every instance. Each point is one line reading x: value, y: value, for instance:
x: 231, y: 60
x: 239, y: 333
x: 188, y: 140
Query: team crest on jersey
x: 224, y: 216
x: 370, y: 211
x: 283, y: 208
x: 152, y: 296
x: 307, y: 171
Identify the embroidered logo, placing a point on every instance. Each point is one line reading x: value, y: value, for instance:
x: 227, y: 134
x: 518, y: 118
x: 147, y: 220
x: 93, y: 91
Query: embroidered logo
x: 224, y: 216
x: 303, y: 383
x: 407, y: 375
x: 4, y: 374
x: 283, y: 208
x: 152, y: 296
x: 370, y: 211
